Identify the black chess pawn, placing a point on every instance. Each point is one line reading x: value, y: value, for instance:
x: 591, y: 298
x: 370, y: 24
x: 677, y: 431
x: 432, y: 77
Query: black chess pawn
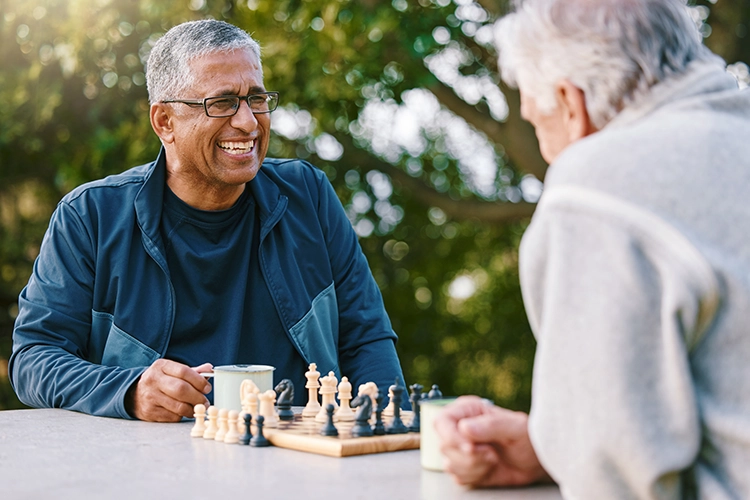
x: 397, y: 425
x: 328, y: 428
x: 248, y: 435
x: 435, y: 392
x: 416, y: 395
x: 378, y: 429
x: 259, y: 440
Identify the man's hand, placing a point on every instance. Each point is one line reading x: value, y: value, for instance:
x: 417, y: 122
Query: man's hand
x: 485, y: 445
x: 168, y: 391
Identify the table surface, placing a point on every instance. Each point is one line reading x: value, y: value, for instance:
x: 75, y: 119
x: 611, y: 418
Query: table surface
x: 63, y: 454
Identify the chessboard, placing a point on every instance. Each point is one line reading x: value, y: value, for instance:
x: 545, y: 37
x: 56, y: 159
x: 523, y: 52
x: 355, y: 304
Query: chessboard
x: 303, y: 434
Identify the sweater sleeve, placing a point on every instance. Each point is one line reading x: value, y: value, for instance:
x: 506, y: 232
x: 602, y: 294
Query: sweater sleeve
x: 617, y: 299
x: 367, y: 342
x: 51, y: 337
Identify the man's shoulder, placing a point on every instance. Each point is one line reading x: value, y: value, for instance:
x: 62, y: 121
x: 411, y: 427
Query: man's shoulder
x: 291, y: 169
x: 126, y: 183
x: 293, y: 178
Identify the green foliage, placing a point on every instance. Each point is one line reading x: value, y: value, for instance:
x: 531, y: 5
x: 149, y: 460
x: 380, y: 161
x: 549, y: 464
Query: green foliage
x: 75, y: 108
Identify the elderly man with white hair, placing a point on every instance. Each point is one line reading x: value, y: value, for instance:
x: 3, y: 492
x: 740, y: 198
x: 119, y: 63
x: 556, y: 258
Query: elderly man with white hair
x: 635, y: 269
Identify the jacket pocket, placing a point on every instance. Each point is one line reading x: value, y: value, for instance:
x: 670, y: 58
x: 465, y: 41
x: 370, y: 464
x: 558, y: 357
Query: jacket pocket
x: 111, y: 346
x: 317, y: 333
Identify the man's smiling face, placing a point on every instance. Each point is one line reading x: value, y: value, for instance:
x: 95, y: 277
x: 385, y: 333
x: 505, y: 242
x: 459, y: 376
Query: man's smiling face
x: 214, y: 155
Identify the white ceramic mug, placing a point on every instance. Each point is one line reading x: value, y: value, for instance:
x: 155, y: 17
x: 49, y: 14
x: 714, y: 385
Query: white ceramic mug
x: 228, y: 379
x: 429, y: 447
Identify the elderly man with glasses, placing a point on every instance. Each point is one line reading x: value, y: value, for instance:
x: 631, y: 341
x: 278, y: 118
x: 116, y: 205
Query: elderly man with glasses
x: 210, y: 255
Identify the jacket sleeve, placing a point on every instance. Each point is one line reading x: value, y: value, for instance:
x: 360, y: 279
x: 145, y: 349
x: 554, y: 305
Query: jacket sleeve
x: 367, y: 342
x: 617, y: 299
x: 48, y: 366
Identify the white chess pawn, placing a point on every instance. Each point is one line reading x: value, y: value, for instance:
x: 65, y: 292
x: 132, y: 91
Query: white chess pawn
x: 328, y: 392
x: 247, y: 388
x: 252, y: 405
x: 388, y: 412
x: 222, y: 425
x: 212, y: 427
x: 232, y: 436
x: 313, y: 405
x: 200, y: 421
x: 345, y: 412
x: 267, y: 410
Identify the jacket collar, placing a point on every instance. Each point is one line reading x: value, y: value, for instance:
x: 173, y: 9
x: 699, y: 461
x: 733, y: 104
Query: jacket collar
x: 149, y: 200
x: 268, y: 198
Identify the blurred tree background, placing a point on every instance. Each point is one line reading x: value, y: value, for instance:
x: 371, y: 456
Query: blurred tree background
x: 399, y: 102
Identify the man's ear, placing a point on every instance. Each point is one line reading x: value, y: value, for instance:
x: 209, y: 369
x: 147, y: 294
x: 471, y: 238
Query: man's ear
x: 572, y: 102
x: 162, y: 122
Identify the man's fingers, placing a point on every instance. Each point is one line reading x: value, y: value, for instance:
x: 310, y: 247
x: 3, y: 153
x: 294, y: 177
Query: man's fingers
x: 184, y: 372
x: 204, y: 368
x: 167, y: 391
x: 448, y: 419
x: 470, y: 468
x: 497, y: 426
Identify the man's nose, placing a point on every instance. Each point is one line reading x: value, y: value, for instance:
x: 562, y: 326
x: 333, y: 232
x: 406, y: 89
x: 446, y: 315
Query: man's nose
x: 245, y: 119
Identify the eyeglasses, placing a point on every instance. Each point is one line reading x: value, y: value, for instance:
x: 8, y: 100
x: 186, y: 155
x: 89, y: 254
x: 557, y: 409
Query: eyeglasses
x: 228, y: 105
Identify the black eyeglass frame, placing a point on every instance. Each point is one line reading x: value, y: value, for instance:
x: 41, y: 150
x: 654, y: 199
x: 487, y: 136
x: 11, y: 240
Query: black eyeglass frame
x: 270, y: 96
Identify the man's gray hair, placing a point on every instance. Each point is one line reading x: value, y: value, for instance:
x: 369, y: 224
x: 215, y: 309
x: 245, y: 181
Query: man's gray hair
x: 168, y: 71
x: 613, y: 50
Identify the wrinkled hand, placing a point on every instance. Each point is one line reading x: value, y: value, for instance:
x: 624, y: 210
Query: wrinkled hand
x: 168, y: 391
x: 485, y: 445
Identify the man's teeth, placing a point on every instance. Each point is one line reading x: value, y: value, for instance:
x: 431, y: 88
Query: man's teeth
x: 237, y: 147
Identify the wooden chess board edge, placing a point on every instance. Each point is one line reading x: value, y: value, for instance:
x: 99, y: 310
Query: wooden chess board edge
x: 335, y: 447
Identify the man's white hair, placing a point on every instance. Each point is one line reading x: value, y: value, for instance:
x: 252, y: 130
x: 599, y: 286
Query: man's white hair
x: 613, y: 50
x: 168, y: 72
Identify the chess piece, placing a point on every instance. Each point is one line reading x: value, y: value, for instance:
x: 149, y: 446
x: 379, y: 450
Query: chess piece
x: 259, y: 440
x: 266, y: 410
x: 241, y: 422
x: 378, y: 429
x: 329, y: 429
x: 313, y: 406
x: 249, y: 397
x: 223, y: 428
x: 212, y: 426
x: 416, y: 395
x: 285, y: 390
x: 328, y: 393
x: 200, y: 421
x: 252, y: 405
x: 345, y: 412
x: 388, y: 412
x: 371, y: 389
x: 247, y: 435
x: 247, y: 387
x: 362, y: 418
x: 232, y: 436
x: 435, y: 392
x: 397, y: 425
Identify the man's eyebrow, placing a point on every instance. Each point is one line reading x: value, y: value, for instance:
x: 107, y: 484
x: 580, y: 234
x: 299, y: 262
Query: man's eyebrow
x: 252, y: 90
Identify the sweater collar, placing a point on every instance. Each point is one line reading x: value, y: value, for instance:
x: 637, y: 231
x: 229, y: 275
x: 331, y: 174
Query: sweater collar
x: 701, y: 77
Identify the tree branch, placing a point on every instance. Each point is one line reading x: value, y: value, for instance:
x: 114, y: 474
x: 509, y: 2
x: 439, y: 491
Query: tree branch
x: 483, y: 211
x: 515, y: 135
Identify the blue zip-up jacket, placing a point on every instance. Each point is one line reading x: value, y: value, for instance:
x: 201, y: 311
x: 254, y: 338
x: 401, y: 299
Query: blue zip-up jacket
x: 99, y: 307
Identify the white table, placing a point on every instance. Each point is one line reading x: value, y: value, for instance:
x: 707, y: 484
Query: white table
x: 67, y: 455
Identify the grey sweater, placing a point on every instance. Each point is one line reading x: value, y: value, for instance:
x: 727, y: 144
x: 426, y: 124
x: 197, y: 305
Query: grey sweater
x: 635, y: 273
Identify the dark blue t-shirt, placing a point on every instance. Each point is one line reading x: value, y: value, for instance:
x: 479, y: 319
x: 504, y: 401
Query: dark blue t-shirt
x: 212, y: 256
